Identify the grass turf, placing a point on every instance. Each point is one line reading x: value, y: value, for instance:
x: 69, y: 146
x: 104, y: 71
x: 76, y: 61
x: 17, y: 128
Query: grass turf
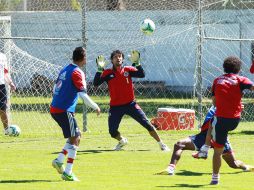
x: 26, y: 161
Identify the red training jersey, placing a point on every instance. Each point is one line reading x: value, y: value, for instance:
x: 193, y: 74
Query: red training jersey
x: 227, y: 90
x: 121, y: 89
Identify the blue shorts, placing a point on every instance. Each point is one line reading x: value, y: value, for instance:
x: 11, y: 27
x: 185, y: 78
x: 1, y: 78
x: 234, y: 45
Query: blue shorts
x: 221, y: 127
x: 68, y: 124
x: 199, y: 140
x: 132, y: 109
x: 3, y: 97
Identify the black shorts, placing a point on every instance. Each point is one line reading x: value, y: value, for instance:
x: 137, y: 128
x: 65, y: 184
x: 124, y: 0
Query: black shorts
x: 221, y: 127
x: 199, y: 140
x: 3, y: 97
x: 133, y: 110
x: 68, y: 124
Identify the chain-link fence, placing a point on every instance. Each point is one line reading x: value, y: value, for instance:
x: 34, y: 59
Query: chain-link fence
x: 181, y: 58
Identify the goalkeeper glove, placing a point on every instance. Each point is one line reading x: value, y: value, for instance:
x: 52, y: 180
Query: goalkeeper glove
x: 135, y: 57
x: 101, y: 63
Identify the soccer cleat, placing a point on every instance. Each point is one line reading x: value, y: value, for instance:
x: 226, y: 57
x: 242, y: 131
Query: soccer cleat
x: 58, y: 166
x: 214, y: 182
x: 67, y: 177
x: 164, y: 147
x: 121, y: 144
x: 215, y: 179
x: 249, y: 168
x: 6, y: 131
x: 168, y: 171
x: 200, y: 154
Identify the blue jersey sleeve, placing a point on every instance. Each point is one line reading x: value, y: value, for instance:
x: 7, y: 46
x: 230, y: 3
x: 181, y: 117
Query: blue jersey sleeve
x: 210, y: 114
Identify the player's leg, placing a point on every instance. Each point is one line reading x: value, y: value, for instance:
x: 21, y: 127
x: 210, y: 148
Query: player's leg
x: 3, y: 107
x: 229, y: 157
x: 216, y: 165
x: 232, y: 162
x: 219, y: 138
x: 137, y: 113
x: 74, y: 140
x: 221, y: 126
x: 4, y: 119
x: 114, y: 119
x: 68, y: 175
x: 203, y: 152
x: 71, y: 131
x: 190, y: 143
x: 179, y: 147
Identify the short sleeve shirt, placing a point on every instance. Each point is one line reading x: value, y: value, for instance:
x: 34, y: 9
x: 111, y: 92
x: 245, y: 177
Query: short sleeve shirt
x: 227, y: 90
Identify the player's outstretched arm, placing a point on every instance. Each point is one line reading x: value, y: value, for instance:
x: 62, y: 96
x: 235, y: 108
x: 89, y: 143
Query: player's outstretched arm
x: 101, y: 63
x: 135, y: 59
x: 89, y: 102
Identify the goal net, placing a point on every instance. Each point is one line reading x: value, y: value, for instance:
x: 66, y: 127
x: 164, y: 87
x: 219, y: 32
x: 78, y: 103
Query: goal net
x: 181, y: 58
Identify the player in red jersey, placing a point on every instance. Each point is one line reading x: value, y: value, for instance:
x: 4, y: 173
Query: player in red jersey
x: 121, y: 91
x: 226, y: 96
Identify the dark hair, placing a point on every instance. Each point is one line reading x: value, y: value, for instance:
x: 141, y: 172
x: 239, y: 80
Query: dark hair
x: 116, y: 52
x: 232, y: 64
x: 78, y: 54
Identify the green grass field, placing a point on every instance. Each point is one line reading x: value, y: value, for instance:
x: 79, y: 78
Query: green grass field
x: 26, y: 160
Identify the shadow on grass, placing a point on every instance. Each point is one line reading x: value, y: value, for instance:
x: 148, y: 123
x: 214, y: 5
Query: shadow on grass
x: 247, y: 132
x: 242, y: 133
x: 88, y: 151
x: 191, y: 173
x: 94, y: 151
x: 183, y: 185
x: 104, y: 150
x: 107, y: 150
x: 25, y: 181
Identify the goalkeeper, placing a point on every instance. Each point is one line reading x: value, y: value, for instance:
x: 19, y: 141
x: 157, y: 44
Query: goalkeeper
x: 195, y: 142
x: 121, y: 91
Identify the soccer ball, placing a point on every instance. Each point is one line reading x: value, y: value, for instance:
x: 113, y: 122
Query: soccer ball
x: 13, y: 130
x: 147, y: 27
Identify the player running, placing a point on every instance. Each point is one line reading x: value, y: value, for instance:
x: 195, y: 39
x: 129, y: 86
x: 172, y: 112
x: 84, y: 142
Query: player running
x: 195, y: 142
x: 122, y: 99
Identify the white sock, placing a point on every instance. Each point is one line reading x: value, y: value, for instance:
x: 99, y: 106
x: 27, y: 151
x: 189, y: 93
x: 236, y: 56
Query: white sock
x: 61, y: 155
x: 215, y: 177
x: 123, y: 140
x: 204, y: 148
x: 171, y: 166
x: 71, y: 157
x: 160, y: 143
